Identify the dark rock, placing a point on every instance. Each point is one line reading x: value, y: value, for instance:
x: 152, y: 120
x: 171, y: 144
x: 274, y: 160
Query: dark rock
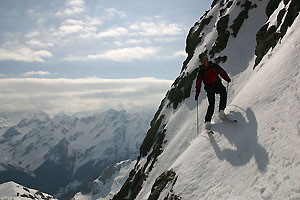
x: 160, y: 183
x: 150, y: 138
x: 181, y: 88
x: 292, y: 13
x: 11, y: 132
x: 280, y: 16
x: 238, y: 22
x: 223, y: 36
x: 220, y: 59
x: 214, y: 3
x: 194, y: 38
x: 272, y: 6
x: 267, y: 38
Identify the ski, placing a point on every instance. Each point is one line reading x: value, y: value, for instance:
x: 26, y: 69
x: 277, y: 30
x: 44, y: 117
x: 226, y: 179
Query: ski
x: 229, y: 120
x: 209, y: 131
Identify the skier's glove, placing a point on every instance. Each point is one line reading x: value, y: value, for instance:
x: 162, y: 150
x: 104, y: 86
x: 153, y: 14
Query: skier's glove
x: 196, y: 97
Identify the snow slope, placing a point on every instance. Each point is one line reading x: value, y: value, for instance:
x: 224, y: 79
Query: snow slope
x: 257, y: 158
x: 14, y: 191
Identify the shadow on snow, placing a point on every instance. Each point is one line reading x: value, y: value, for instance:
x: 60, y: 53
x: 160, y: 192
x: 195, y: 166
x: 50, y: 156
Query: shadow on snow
x: 242, y: 136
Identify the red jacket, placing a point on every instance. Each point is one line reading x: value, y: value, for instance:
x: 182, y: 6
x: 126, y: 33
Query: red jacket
x: 210, y: 76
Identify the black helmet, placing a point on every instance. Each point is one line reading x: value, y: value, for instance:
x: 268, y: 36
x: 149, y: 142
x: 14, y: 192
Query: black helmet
x: 203, y: 56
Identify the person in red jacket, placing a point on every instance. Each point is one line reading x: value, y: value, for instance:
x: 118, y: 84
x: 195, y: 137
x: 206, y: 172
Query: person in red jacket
x: 209, y: 74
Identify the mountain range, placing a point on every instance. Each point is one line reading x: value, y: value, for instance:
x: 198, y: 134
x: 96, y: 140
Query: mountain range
x: 60, y: 154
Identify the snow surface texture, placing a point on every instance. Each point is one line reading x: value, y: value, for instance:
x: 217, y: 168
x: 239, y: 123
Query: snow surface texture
x: 58, y: 154
x: 257, y: 158
x: 14, y: 191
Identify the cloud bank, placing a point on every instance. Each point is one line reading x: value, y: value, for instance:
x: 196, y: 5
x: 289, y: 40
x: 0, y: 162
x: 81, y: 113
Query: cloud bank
x: 74, y: 95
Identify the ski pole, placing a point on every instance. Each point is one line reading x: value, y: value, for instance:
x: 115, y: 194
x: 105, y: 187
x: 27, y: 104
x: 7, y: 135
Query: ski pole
x: 227, y: 87
x: 197, y: 120
x: 227, y: 90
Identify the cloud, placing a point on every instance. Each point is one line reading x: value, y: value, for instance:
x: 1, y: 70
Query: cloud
x: 73, y: 34
x: 75, y: 3
x: 165, y: 39
x: 73, y: 21
x: 39, y: 73
x: 155, y: 29
x: 72, y: 30
x: 31, y: 12
x: 119, y: 55
x: 113, y: 33
x: 134, y: 41
x: 72, y: 7
x: 179, y: 54
x: 24, y: 54
x: 112, y: 13
x: 32, y: 34
x: 158, y: 30
x: 126, y: 54
x: 67, y: 29
x: 93, y: 21
x: 37, y: 43
x: 73, y: 95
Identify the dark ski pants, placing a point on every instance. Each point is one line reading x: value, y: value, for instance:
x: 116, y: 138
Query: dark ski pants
x: 211, y: 92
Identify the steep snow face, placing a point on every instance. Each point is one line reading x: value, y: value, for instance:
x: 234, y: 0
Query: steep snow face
x: 14, y: 191
x: 60, y: 153
x: 257, y: 158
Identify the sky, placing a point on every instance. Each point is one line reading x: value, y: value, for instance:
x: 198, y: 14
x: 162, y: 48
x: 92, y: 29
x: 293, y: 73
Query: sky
x: 76, y: 55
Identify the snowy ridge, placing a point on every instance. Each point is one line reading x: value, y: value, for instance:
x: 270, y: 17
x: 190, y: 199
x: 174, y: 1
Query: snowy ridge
x: 8, y: 119
x: 14, y: 191
x: 257, y: 158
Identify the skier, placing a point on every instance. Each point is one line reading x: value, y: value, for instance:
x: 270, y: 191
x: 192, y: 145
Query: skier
x: 209, y: 74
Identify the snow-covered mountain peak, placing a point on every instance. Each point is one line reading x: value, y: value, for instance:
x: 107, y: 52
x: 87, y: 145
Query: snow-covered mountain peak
x: 14, y: 191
